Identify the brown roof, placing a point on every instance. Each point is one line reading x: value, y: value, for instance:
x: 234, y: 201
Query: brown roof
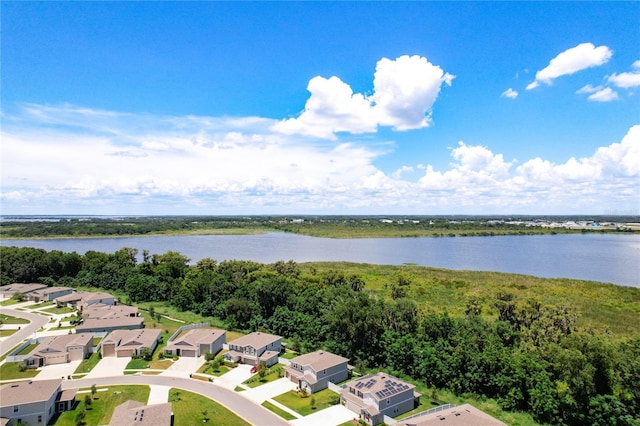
x: 198, y: 336
x: 21, y: 288
x: 100, y: 310
x: 49, y: 290
x: 61, y: 343
x: 462, y: 415
x: 27, y: 392
x: 91, y: 295
x: 256, y: 340
x: 104, y: 323
x: 136, y: 413
x: 142, y: 338
x: 319, y: 360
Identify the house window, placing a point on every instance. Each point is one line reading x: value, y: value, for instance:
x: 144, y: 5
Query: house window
x: 324, y: 371
x: 388, y: 401
x: 16, y: 408
x: 39, y: 419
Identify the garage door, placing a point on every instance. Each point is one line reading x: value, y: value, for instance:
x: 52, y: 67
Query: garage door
x: 189, y: 353
x: 125, y: 352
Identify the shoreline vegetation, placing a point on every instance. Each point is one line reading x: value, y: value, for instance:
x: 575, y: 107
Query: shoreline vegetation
x: 60, y: 227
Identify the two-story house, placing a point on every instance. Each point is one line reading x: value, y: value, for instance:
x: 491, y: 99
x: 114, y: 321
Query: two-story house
x: 33, y: 402
x: 313, y: 371
x: 377, y: 395
x: 255, y: 348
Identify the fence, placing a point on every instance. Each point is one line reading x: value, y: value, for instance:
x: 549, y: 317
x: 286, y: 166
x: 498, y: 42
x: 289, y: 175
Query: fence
x: 431, y: 411
x: 187, y: 327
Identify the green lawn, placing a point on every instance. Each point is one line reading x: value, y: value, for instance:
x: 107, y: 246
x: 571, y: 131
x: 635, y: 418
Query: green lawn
x: 27, y: 350
x: 274, y: 373
x: 189, y: 410
x: 8, y: 319
x: 289, y: 355
x: 87, y: 364
x: 101, y: 409
x: 280, y: 412
x: 9, y: 302
x: 60, y: 310
x: 207, y: 368
x: 41, y: 305
x: 11, y: 370
x: 323, y: 399
x: 5, y: 333
x: 161, y: 364
x: 137, y: 364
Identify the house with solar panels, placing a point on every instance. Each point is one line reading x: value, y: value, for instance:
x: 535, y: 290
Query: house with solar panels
x: 377, y: 395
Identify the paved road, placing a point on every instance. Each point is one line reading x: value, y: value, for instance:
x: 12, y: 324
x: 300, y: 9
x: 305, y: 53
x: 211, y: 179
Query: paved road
x: 26, y: 330
x: 234, y: 401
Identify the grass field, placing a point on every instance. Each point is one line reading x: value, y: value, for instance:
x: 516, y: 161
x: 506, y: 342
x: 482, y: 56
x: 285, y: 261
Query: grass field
x: 323, y: 399
x: 60, y: 310
x: 280, y: 412
x: 27, y: 349
x: 8, y: 319
x: 87, y: 364
x: 599, y: 307
x: 274, y: 373
x: 5, y: 333
x: 11, y: 371
x: 103, y: 404
x: 137, y: 364
x: 191, y: 409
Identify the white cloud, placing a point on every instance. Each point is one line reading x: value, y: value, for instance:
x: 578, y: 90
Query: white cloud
x: 589, y: 89
x: 404, y: 91
x: 510, y: 93
x: 627, y: 80
x: 572, y: 60
x: 604, y: 95
x: 402, y: 170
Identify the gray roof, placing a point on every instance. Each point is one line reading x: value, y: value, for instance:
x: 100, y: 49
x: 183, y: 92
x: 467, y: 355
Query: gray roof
x: 198, y: 336
x: 142, y: 338
x: 319, y: 360
x: 461, y: 415
x: 49, y: 290
x: 21, y: 288
x: 28, y: 391
x: 256, y: 340
x: 61, y: 343
x: 136, y: 413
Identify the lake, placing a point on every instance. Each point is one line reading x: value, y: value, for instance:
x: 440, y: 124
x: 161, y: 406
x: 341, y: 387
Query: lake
x: 610, y: 258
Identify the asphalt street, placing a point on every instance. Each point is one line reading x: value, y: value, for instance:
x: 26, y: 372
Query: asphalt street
x: 26, y: 331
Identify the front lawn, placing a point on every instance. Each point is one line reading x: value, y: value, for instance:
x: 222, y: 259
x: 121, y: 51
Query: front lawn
x: 277, y: 410
x: 11, y: 370
x: 161, y: 364
x: 302, y: 405
x: 101, y: 408
x: 191, y: 409
x: 87, y: 364
x: 27, y: 349
x: 8, y: 319
x: 59, y: 310
x: 273, y: 373
x: 5, y: 333
x: 137, y: 364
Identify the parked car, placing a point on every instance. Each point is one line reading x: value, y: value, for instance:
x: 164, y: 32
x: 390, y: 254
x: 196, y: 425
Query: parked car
x: 254, y: 369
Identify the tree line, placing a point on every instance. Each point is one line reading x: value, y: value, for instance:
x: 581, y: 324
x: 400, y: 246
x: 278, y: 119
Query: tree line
x: 526, y: 355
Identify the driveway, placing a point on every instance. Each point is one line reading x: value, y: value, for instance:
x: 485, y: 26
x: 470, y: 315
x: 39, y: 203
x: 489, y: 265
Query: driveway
x: 269, y: 390
x: 234, y: 377
x: 334, y: 415
x: 183, y: 367
x: 108, y: 367
x: 57, y: 371
x: 158, y: 394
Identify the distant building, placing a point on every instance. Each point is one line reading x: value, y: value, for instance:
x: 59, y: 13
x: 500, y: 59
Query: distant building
x: 48, y: 294
x: 374, y: 396
x: 83, y: 299
x: 98, y: 318
x: 255, y: 348
x: 126, y: 343
x: 134, y: 413
x: 314, y: 371
x: 10, y: 289
x: 33, y: 402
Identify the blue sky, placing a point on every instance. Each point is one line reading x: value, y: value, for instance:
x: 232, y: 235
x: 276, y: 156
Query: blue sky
x: 320, y: 108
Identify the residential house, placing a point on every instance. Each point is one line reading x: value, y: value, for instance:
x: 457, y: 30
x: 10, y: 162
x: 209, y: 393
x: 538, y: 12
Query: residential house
x: 48, y: 294
x: 125, y: 343
x: 461, y: 415
x: 197, y: 342
x: 61, y: 349
x: 377, y: 395
x: 9, y: 290
x: 133, y: 413
x: 104, y: 318
x: 315, y: 370
x: 83, y: 299
x: 33, y: 402
x: 255, y: 348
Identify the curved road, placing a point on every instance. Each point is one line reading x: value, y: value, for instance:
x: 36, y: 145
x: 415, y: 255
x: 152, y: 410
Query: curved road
x: 25, y: 331
x: 248, y: 410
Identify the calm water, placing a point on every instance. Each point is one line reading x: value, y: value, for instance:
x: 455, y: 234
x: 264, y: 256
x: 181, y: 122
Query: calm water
x: 597, y: 257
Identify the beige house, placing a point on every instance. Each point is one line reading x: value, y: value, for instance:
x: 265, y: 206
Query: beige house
x: 61, y: 349
x: 99, y: 318
x: 255, y: 348
x: 315, y: 370
x: 462, y: 415
x: 197, y: 342
x: 377, y: 395
x: 48, y: 294
x: 133, y: 413
x: 83, y: 299
x: 33, y: 402
x: 10, y: 289
x: 125, y: 343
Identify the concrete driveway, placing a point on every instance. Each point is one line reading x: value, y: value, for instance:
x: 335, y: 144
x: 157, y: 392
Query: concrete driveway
x: 334, y: 415
x: 57, y: 371
x: 158, y: 394
x: 234, y: 377
x: 183, y: 367
x: 269, y: 390
x: 108, y: 367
